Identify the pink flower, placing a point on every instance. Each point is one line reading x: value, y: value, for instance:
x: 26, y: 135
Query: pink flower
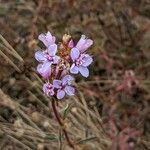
x: 47, y: 39
x: 80, y: 62
x: 44, y: 69
x: 64, y: 86
x: 58, y: 67
x: 48, y: 89
x: 46, y: 58
x: 83, y: 44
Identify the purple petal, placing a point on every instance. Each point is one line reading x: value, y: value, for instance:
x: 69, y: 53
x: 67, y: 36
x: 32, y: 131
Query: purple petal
x: 51, y: 92
x: 48, y: 89
x: 81, y: 42
x: 51, y: 39
x: 87, y: 44
x: 56, y: 59
x: 74, y: 69
x: 39, y: 68
x: 44, y: 69
x: 60, y: 94
x: 74, y: 53
x: 39, y: 56
x: 57, y: 83
x: 46, y: 66
x: 84, y: 71
x: 69, y: 90
x: 52, y: 49
x: 42, y: 38
x: 47, y: 39
x: 45, y: 87
x: 87, y: 60
x: 84, y: 44
x: 67, y: 80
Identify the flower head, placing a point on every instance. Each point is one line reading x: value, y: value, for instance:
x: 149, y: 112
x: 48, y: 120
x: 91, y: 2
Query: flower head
x: 80, y: 62
x: 47, y: 39
x: 48, y: 89
x: 44, y: 69
x: 47, y: 58
x: 64, y: 86
x: 83, y: 44
x: 58, y: 61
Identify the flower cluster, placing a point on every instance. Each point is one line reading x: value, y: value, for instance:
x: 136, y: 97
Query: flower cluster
x: 58, y: 62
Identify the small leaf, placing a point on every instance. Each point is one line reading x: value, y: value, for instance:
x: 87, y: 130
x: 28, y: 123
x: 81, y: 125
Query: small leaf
x: 66, y: 110
x: 52, y: 137
x: 86, y: 140
x: 60, y: 139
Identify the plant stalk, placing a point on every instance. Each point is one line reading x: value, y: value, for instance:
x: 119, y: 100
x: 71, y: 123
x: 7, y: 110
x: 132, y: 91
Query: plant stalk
x: 61, y: 124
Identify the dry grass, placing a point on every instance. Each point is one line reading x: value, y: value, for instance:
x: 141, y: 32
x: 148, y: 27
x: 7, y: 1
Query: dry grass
x: 98, y: 115
x: 32, y: 129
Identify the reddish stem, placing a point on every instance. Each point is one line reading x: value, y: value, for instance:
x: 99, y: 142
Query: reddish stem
x: 61, y: 124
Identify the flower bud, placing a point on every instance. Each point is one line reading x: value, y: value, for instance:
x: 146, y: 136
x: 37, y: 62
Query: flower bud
x: 66, y: 38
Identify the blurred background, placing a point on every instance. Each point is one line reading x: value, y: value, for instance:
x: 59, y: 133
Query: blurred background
x: 111, y: 108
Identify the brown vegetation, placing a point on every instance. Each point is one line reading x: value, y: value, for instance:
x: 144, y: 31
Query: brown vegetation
x: 111, y: 108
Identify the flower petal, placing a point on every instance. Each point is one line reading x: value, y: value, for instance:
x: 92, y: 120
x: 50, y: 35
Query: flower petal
x: 42, y: 38
x: 74, y: 53
x: 47, y: 39
x: 56, y: 59
x: 84, y: 71
x: 87, y: 44
x: 39, y: 68
x: 83, y: 44
x: 67, y: 80
x: 57, y: 83
x: 52, y: 49
x: 45, y: 87
x: 53, y: 39
x: 48, y: 89
x: 51, y: 92
x: 44, y: 69
x: 46, y: 66
x: 87, y: 60
x: 39, y: 56
x: 69, y: 90
x: 74, y: 69
x: 60, y: 94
